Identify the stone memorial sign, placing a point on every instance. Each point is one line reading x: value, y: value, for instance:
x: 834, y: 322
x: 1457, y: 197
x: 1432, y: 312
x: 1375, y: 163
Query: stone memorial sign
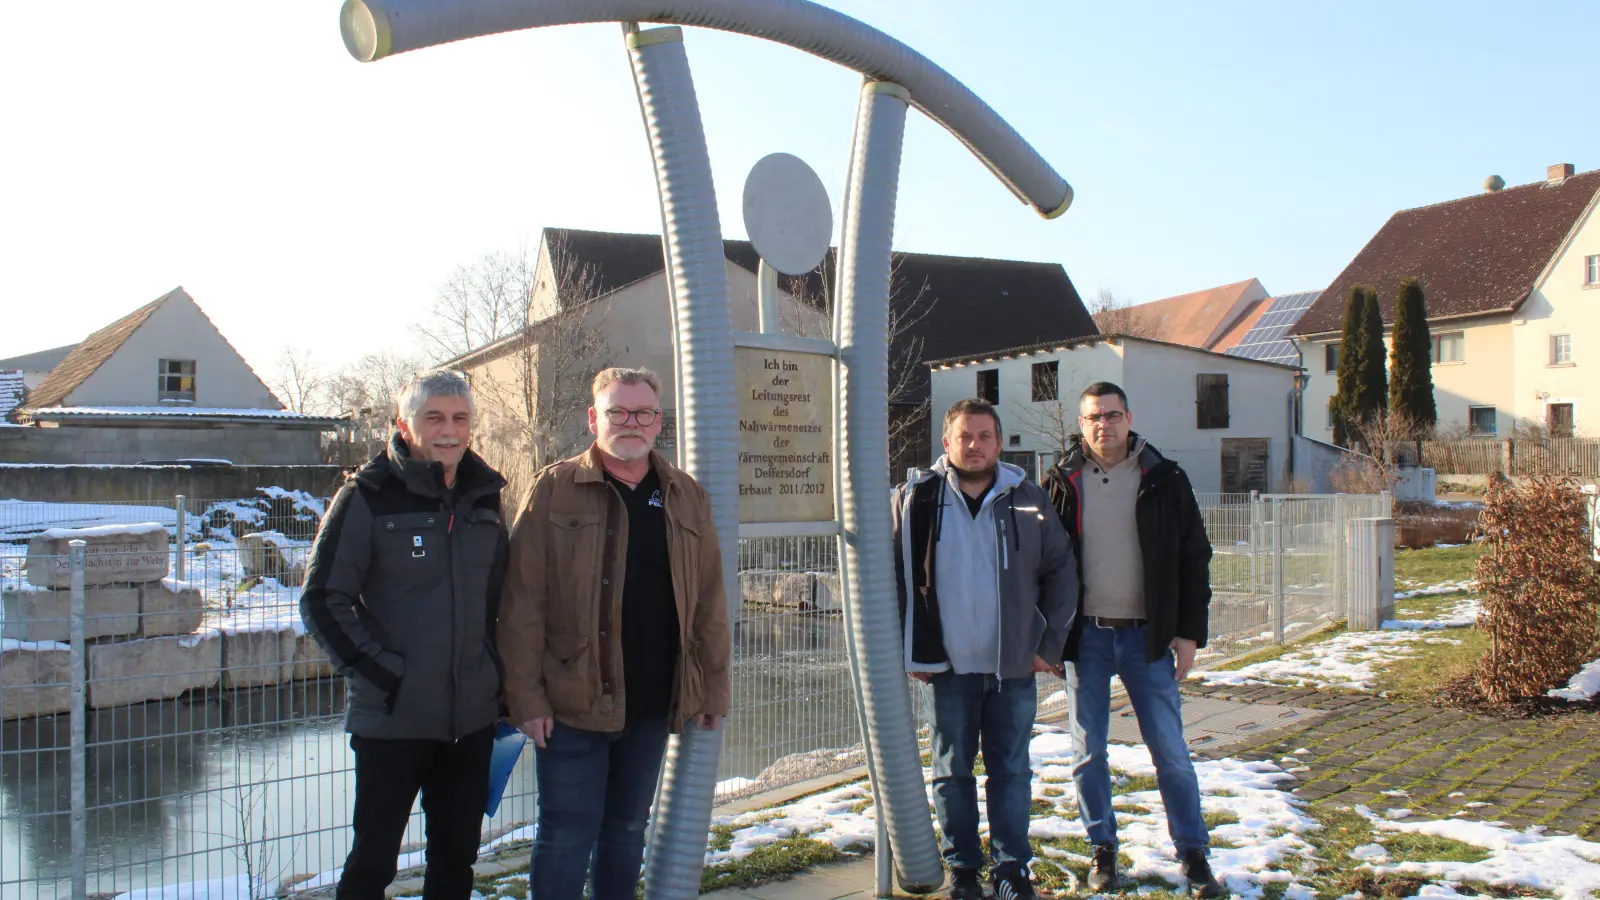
x: 116, y: 554
x: 785, y: 436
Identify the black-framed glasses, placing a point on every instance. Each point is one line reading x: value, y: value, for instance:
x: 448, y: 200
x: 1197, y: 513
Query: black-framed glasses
x: 1113, y: 417
x: 644, y: 418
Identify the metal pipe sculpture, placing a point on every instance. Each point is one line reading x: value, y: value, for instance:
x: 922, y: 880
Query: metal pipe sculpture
x: 898, y: 77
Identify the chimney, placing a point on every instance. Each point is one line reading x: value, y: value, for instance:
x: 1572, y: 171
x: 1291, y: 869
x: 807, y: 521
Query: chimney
x: 1558, y: 173
x: 1493, y: 183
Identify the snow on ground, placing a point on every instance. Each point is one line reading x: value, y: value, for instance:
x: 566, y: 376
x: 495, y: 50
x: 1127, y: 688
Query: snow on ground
x: 1463, y: 615
x: 1445, y: 587
x: 1585, y: 684
x: 1345, y: 661
x: 1565, y: 865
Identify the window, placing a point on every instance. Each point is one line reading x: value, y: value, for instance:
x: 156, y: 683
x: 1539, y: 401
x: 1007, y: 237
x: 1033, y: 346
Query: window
x: 989, y: 386
x: 1480, y: 419
x: 175, y: 381
x: 1558, y: 416
x: 1591, y: 271
x: 1211, y: 401
x: 1560, y: 349
x: 1044, y: 381
x: 1015, y: 440
x: 1450, y: 347
x: 1330, y: 357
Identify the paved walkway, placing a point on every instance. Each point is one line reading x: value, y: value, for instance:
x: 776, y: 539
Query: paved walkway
x: 1543, y: 771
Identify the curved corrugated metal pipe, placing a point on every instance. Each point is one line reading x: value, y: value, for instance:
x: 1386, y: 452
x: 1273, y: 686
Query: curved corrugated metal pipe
x: 692, y: 237
x: 374, y: 29
x: 864, y: 276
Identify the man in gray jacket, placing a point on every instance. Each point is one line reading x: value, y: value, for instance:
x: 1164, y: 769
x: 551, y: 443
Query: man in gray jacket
x: 402, y: 592
x: 988, y: 590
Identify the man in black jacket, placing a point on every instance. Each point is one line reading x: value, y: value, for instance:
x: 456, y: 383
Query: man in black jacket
x: 402, y: 592
x: 1145, y: 565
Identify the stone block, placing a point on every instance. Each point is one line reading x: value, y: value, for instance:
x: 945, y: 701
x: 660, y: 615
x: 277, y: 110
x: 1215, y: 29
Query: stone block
x: 170, y: 607
x: 256, y: 658
x: 46, y: 615
x: 116, y: 554
x: 792, y: 590
x: 261, y: 555
x: 309, y: 660
x: 35, y: 679
x: 157, y: 668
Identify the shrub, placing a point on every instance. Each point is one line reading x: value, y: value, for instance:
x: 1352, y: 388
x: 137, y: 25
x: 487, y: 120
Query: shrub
x: 1541, y: 591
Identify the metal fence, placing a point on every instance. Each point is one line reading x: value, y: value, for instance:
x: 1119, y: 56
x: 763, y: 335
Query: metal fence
x: 212, y: 745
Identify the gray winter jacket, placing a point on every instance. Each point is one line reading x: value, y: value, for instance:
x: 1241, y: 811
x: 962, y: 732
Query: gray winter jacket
x: 1038, y: 576
x: 403, y: 591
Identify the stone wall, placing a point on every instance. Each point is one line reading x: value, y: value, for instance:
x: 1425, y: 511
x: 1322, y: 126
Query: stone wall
x: 242, y: 444
x: 157, y: 484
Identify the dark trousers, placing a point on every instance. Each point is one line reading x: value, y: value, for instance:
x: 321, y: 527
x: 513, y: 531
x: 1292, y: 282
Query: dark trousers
x: 973, y: 712
x: 453, y: 777
x: 595, y: 791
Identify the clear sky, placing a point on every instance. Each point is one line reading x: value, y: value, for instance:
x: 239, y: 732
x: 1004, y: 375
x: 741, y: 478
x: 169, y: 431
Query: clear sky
x: 304, y: 198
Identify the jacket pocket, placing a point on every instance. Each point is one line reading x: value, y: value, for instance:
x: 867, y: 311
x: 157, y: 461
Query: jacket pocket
x: 575, y: 547
x: 567, y: 681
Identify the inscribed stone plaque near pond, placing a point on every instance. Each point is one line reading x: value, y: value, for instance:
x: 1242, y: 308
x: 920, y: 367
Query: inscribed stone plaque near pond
x: 785, y: 436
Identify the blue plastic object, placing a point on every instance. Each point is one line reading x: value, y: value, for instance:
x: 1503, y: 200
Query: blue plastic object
x: 508, y: 743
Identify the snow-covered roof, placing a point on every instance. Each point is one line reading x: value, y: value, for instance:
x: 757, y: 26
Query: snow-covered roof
x: 182, y: 412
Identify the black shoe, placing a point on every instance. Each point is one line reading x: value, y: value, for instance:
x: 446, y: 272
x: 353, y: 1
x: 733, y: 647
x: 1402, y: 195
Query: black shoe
x: 964, y: 885
x: 1103, y: 870
x: 1201, y: 882
x: 1011, y: 882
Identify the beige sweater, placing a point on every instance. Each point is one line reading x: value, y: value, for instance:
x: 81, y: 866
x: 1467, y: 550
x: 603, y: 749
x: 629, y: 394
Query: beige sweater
x: 1113, y: 567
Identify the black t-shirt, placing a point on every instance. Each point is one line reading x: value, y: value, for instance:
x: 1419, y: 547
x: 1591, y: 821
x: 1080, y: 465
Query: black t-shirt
x: 649, y: 610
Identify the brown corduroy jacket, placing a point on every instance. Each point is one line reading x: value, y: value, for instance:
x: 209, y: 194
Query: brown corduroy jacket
x: 560, y: 610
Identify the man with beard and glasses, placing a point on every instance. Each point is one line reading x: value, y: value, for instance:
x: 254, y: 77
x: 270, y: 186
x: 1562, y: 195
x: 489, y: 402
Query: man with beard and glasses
x: 1146, y: 567
x: 402, y: 592
x: 988, y: 588
x: 615, y: 633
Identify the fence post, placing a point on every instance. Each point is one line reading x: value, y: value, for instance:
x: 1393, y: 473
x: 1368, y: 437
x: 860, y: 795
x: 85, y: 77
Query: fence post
x: 1386, y: 499
x: 178, y: 567
x: 1279, y: 602
x: 1255, y: 543
x: 79, y: 715
x: 1341, y: 553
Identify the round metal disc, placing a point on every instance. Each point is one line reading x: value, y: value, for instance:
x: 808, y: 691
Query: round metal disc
x: 786, y: 213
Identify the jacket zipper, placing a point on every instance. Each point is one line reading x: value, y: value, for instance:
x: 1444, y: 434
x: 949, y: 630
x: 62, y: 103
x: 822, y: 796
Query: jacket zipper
x: 455, y: 612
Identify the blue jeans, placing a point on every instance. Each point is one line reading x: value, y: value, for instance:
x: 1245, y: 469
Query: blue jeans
x: 595, y: 791
x: 969, y: 710
x: 1153, y: 689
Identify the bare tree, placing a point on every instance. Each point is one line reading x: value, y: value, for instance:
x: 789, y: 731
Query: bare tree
x: 812, y: 316
x: 298, y: 379
x: 532, y: 385
x: 481, y: 303
x: 1382, y: 436
x: 1052, y: 414
x: 1114, y: 315
x: 364, y: 393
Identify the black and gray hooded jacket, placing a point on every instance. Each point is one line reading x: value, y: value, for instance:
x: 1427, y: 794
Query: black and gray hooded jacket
x: 1038, y: 577
x: 403, y: 590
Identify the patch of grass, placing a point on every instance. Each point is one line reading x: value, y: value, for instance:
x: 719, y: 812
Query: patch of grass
x: 1041, y: 808
x: 1054, y: 792
x: 1219, y: 819
x: 772, y: 862
x: 721, y: 837
x: 860, y: 806
x: 1435, y: 665
x: 1406, y: 847
x: 1275, y: 651
x: 1430, y: 606
x: 1435, y: 564
x: 1133, y: 784
x: 1134, y: 809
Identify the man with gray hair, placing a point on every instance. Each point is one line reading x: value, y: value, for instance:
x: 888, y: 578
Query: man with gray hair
x: 402, y: 592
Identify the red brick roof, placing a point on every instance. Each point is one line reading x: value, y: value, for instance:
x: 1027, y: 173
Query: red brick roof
x: 1197, y: 319
x: 1478, y: 255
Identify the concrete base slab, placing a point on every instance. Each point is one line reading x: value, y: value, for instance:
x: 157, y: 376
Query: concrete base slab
x: 46, y: 615
x: 309, y: 660
x: 34, y: 681
x: 153, y: 668
x: 170, y: 607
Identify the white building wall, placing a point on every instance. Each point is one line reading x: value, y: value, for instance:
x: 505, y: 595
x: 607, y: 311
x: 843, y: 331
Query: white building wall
x: 1562, y: 304
x: 176, y: 330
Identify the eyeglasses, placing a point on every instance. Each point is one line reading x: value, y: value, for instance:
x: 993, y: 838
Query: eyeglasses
x: 644, y: 418
x: 1114, y: 417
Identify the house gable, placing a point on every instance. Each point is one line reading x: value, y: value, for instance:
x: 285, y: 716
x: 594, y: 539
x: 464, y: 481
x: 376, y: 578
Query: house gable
x: 173, y: 327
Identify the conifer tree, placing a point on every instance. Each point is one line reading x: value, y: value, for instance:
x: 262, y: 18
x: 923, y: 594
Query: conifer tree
x: 1347, y: 373
x: 1411, y: 366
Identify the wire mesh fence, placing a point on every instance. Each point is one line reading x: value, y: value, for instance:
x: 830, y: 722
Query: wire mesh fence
x: 213, y: 751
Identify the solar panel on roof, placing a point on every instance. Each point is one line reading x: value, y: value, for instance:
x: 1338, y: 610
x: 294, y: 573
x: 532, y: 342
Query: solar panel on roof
x: 1269, y: 339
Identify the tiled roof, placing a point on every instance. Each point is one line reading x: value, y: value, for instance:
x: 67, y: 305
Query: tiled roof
x: 1198, y: 319
x: 89, y: 355
x: 1241, y: 326
x: 11, y: 391
x: 1477, y: 255
x: 956, y: 362
x: 85, y: 413
x: 953, y: 304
